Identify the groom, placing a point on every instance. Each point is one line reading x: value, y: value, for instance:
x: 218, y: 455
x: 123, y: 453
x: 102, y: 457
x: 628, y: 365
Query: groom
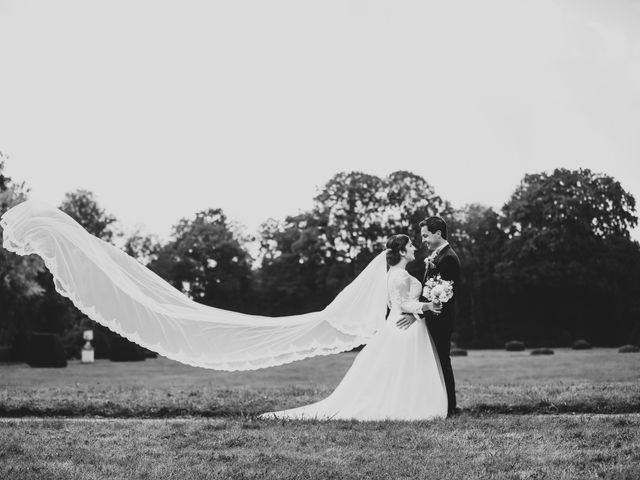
x: 443, y: 261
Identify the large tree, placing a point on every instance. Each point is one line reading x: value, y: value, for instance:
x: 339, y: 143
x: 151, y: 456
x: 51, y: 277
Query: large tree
x: 477, y: 236
x: 83, y: 207
x: 19, y: 286
x: 207, y: 260
x: 143, y: 247
x: 310, y: 257
x: 360, y: 211
x: 568, y: 263
x: 294, y: 273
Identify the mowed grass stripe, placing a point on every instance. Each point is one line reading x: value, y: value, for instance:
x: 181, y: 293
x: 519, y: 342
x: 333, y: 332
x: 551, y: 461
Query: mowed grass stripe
x: 496, y: 447
x: 488, y: 382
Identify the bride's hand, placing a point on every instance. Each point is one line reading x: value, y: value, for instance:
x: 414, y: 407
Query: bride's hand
x: 435, y: 307
x: 406, y: 321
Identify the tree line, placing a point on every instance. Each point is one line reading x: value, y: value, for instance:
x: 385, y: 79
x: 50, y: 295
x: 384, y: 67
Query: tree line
x: 554, y: 264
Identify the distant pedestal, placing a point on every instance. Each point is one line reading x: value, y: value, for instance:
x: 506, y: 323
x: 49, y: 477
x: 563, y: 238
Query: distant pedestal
x: 87, y: 349
x: 87, y: 356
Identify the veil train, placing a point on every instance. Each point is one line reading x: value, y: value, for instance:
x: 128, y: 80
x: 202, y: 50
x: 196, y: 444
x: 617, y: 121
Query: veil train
x: 120, y: 293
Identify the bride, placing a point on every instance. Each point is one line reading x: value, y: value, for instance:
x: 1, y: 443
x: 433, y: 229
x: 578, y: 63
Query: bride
x: 396, y: 376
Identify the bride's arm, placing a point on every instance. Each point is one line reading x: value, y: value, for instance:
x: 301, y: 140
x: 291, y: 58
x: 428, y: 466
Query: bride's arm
x: 399, y: 293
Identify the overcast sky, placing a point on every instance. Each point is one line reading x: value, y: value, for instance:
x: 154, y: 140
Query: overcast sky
x: 166, y: 108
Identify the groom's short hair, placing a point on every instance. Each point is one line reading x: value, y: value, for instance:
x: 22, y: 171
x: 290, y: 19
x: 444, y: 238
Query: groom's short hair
x: 434, y: 224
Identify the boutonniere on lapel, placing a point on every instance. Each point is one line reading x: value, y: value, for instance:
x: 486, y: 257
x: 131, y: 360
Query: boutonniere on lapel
x: 429, y: 261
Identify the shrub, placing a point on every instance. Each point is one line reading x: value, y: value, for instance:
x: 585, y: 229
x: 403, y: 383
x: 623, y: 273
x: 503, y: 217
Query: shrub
x: 542, y: 351
x: 629, y: 349
x: 581, y: 345
x: 122, y: 350
x: 72, y: 343
x: 102, y: 343
x: 458, y: 352
x: 635, y: 334
x: 5, y: 354
x: 514, y: 346
x: 72, y: 352
x: 484, y: 343
x: 149, y: 353
x: 46, y: 350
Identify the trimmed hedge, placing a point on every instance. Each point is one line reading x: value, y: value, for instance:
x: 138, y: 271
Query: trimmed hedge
x: 581, y: 345
x: 46, y: 350
x: 542, y: 351
x: 101, y: 343
x: 629, y: 349
x: 514, y: 346
x: 458, y: 352
x: 122, y: 350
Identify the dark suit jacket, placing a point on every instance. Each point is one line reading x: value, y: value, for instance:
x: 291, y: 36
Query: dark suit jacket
x: 447, y: 264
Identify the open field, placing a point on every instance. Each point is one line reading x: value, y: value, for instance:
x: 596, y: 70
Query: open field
x: 190, y: 423
x: 488, y: 381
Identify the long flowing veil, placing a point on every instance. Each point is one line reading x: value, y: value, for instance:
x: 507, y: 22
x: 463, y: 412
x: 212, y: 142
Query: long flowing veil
x: 120, y: 293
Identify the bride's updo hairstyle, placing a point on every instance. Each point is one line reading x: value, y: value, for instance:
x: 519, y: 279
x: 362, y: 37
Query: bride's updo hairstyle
x: 395, y: 245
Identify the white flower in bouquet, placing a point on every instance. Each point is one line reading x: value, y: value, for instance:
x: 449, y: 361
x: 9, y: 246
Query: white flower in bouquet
x: 438, y: 290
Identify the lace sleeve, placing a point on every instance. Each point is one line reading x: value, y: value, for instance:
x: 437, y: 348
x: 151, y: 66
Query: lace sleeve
x: 400, y: 293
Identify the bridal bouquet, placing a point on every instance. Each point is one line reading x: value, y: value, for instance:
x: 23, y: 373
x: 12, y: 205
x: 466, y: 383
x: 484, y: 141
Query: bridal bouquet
x: 438, y: 290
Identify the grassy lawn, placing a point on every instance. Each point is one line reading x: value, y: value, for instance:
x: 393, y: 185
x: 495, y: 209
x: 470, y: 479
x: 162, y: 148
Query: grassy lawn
x: 466, y: 447
x: 190, y: 423
x: 588, y: 381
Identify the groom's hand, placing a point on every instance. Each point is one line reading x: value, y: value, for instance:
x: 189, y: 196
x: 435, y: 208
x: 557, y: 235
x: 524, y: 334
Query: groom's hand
x: 406, y: 321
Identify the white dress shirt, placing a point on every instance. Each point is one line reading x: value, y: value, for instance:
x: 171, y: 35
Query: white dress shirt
x: 435, y: 253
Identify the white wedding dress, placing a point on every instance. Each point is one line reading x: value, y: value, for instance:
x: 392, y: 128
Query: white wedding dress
x: 396, y: 376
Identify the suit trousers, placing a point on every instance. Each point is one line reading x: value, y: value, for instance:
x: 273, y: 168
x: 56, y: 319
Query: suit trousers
x: 441, y: 329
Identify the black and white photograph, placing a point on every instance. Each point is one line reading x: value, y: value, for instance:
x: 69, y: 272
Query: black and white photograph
x: 354, y: 239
